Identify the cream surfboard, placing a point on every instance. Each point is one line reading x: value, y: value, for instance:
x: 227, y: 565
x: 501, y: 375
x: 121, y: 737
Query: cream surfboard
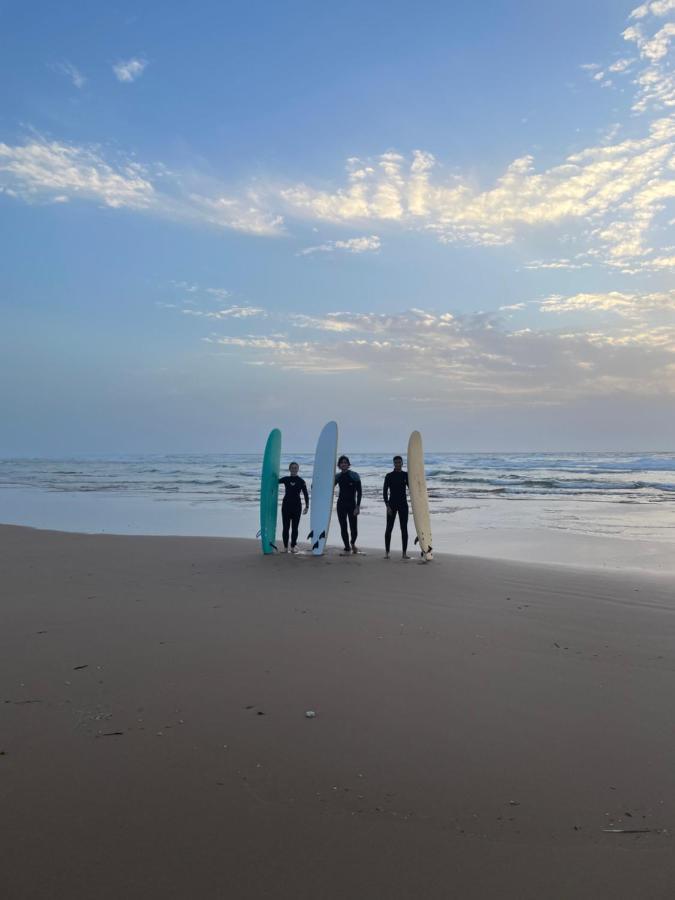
x: 419, y: 499
x: 323, y: 485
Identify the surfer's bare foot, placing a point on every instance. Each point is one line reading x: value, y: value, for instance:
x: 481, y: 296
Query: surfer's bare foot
x: 386, y: 556
x: 345, y: 553
x: 404, y: 556
x: 354, y: 548
x: 294, y: 549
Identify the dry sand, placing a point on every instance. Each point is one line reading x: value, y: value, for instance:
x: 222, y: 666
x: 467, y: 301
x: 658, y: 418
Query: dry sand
x: 479, y: 725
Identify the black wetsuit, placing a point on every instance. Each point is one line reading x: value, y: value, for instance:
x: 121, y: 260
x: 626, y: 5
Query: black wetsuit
x: 291, y: 506
x: 393, y: 492
x: 349, y: 497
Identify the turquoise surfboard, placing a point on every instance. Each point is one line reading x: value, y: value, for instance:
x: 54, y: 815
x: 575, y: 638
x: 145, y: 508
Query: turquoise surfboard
x: 269, y: 491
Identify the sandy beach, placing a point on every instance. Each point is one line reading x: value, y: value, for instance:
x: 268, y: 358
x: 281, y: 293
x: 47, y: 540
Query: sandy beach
x: 483, y: 728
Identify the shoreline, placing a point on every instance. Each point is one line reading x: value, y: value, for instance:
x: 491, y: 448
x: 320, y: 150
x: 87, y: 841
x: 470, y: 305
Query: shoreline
x: 519, y: 545
x: 483, y: 728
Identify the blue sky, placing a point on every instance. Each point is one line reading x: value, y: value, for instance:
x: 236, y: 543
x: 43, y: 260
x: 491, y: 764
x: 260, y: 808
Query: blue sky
x: 218, y: 218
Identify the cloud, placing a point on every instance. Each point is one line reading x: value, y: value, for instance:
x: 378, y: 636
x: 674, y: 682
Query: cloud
x: 610, y: 192
x: 655, y: 82
x: 655, y: 8
x: 331, y: 322
x: 621, y: 65
x: 605, y: 200
x: 50, y: 171
x: 44, y: 169
x: 70, y: 71
x: 129, y: 70
x: 477, y: 359
x: 556, y: 264
x: 632, y: 305
x: 352, y: 245
x: 233, y: 312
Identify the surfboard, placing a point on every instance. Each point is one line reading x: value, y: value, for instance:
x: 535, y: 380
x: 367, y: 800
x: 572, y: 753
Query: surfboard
x: 419, y: 499
x: 269, y: 491
x: 323, y: 484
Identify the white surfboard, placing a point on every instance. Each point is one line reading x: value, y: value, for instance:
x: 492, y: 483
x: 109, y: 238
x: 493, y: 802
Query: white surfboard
x: 419, y: 499
x: 323, y: 484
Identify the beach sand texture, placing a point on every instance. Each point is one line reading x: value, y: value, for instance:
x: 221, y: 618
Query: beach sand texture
x: 479, y: 725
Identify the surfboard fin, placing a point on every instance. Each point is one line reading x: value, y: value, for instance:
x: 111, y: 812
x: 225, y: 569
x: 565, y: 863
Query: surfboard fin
x: 315, y: 545
x: 310, y: 535
x: 322, y: 535
x: 417, y: 540
x: 258, y: 533
x: 275, y: 546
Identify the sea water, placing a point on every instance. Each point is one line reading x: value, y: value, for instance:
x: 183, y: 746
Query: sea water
x: 505, y: 504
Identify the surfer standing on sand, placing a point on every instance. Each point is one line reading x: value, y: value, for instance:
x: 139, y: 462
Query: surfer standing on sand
x: 291, y: 506
x: 348, y: 503
x: 396, y: 501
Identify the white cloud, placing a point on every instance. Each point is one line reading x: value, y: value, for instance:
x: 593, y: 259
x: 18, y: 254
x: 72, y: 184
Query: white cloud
x: 129, y: 70
x: 44, y: 171
x: 655, y: 81
x: 556, y: 264
x: 655, y: 8
x: 231, y: 312
x: 331, y: 322
x: 352, y: 245
x: 632, y: 305
x: 604, y: 191
x: 72, y: 72
x: 476, y: 359
x: 605, y: 200
x: 621, y: 65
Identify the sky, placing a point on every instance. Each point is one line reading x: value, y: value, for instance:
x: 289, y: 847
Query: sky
x: 217, y: 218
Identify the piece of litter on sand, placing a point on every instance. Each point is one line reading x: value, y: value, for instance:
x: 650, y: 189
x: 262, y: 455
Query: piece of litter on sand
x: 627, y: 830
x: 85, y: 666
x: 310, y: 714
x: 110, y: 733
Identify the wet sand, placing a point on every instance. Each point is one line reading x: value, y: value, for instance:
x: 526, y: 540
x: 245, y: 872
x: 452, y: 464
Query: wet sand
x: 483, y: 728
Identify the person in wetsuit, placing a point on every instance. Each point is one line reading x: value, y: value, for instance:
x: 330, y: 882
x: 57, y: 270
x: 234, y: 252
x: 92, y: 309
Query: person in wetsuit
x: 291, y: 506
x: 348, y: 503
x: 396, y: 501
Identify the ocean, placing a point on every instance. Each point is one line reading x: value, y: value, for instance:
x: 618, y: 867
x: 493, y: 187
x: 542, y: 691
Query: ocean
x: 474, y: 497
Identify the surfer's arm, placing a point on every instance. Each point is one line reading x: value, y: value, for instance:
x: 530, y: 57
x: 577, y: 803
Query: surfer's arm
x: 386, y: 491
x: 305, y: 495
x: 359, y: 492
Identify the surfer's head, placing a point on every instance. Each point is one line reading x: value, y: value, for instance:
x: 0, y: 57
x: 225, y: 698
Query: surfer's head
x: 294, y: 468
x: 343, y: 463
x: 398, y: 463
